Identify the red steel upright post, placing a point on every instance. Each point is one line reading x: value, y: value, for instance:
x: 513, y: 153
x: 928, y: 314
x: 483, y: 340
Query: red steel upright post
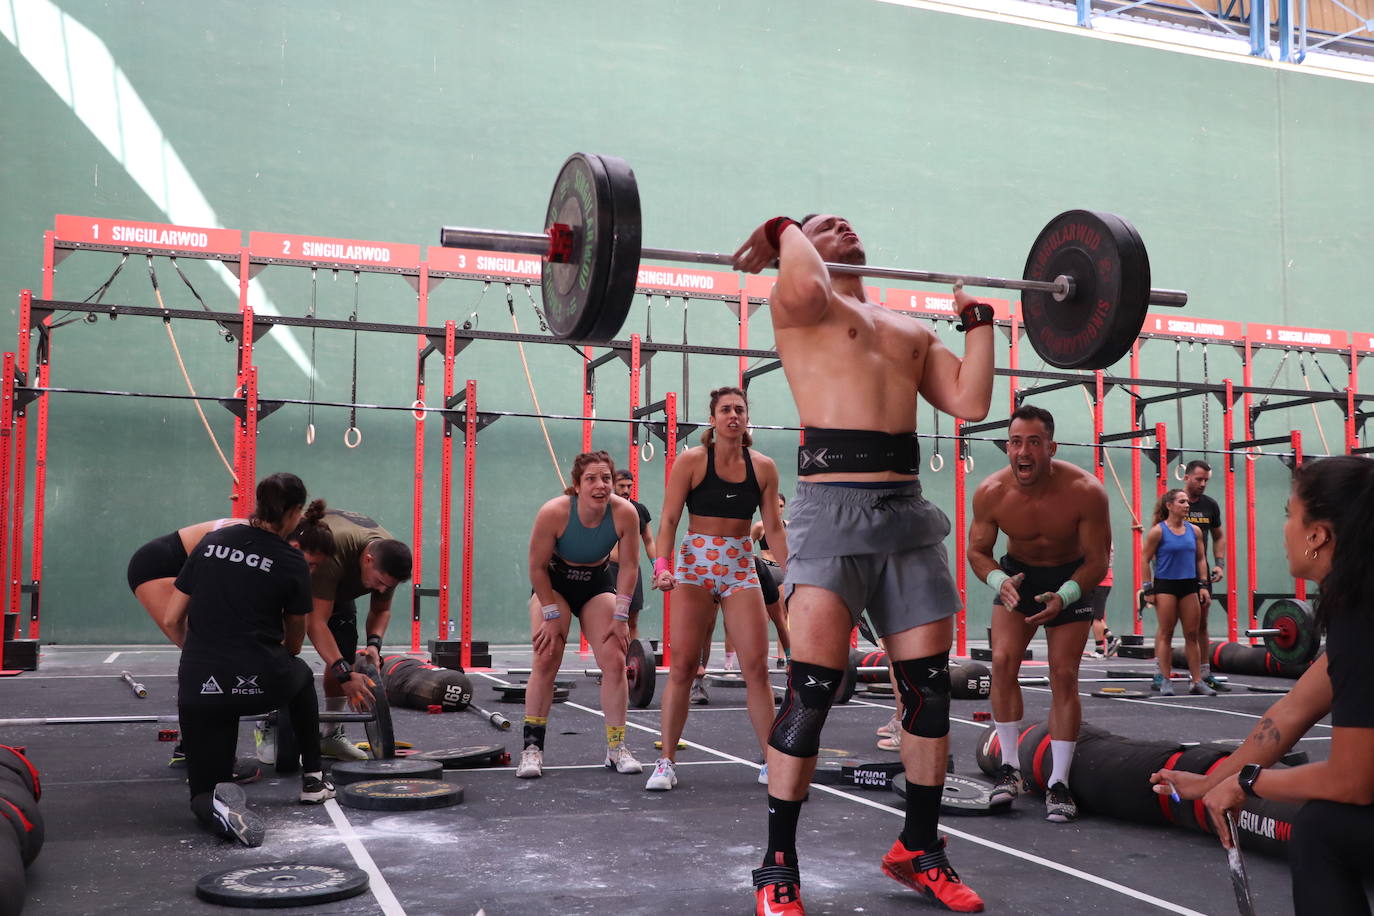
x: 18, y: 451
x: 40, y: 444
x: 469, y: 511
x: 669, y: 456
x: 247, y: 464
x: 417, y: 527
x: 6, y: 456
x: 242, y: 486
x: 1232, y: 588
x: 1099, y: 451
x: 960, y: 561
x: 446, y: 485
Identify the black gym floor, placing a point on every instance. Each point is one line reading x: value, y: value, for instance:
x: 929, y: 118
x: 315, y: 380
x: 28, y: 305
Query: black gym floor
x: 121, y: 839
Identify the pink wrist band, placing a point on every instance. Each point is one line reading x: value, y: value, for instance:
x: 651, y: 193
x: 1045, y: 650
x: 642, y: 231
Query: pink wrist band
x: 661, y: 566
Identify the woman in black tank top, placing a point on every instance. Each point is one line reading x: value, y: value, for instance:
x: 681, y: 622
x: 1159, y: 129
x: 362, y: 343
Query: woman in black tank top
x: 722, y: 483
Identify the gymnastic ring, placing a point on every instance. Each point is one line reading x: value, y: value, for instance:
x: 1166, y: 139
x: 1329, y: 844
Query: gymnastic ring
x: 1178, y: 471
x: 968, y: 464
x: 1251, y: 454
x: 646, y: 451
x: 310, y: 434
x: 417, y: 409
x: 937, y: 462
x: 348, y: 437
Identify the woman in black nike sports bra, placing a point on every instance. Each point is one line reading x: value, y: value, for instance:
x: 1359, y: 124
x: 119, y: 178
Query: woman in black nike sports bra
x: 722, y: 483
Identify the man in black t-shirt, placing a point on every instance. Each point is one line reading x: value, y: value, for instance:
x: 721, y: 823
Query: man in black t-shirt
x: 1204, y: 512
x: 238, y: 611
x: 624, y: 483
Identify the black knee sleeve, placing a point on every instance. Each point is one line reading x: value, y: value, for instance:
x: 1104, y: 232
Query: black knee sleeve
x: 924, y: 686
x: 810, y: 691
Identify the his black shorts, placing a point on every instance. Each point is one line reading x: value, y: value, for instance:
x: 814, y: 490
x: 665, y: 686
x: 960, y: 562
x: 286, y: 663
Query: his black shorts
x: 1041, y: 579
x: 343, y: 625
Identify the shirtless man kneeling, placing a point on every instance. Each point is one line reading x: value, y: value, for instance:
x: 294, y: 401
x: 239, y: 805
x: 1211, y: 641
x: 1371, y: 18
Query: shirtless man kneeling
x: 1058, y: 539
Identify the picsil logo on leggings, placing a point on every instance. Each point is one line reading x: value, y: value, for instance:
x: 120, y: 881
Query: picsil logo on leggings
x: 234, y: 555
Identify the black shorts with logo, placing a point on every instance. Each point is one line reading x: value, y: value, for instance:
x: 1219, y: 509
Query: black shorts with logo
x: 580, y: 584
x: 1041, y: 579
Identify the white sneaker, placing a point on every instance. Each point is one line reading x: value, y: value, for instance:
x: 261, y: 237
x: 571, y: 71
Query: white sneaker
x: 763, y: 775
x: 622, y: 760
x: 337, y: 745
x: 888, y: 729
x: 531, y: 763
x: 664, y: 776
x: 265, y: 742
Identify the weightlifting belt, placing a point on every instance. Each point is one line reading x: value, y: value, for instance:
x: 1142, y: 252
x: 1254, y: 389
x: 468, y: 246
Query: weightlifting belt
x: 846, y: 451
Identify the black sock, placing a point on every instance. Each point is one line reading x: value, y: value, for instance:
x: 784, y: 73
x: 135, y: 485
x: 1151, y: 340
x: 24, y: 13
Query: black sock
x: 922, y: 816
x: 534, y: 734
x: 782, y: 832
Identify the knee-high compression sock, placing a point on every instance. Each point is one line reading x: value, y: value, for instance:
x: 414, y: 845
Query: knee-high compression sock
x: 922, y: 816
x: 782, y: 832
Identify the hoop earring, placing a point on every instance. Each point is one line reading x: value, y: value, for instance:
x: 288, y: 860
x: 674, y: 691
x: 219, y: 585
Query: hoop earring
x: 1312, y: 554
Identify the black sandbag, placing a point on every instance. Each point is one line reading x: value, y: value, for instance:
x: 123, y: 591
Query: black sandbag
x: 417, y: 685
x: 1111, y: 777
x: 15, y: 760
x: 1238, y: 658
x: 13, y: 884
x: 20, y: 810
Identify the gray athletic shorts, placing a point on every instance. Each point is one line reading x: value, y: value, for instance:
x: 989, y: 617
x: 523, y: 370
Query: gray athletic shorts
x: 879, y: 550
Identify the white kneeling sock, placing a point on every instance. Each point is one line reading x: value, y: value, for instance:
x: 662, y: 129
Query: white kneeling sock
x: 1063, y: 759
x: 1008, y: 733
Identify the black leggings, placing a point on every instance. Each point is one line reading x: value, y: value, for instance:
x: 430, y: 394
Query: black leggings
x: 1331, y: 854
x: 209, y: 734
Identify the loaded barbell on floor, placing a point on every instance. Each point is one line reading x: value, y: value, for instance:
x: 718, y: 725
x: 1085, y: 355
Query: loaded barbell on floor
x: 1086, y: 282
x: 1289, y: 629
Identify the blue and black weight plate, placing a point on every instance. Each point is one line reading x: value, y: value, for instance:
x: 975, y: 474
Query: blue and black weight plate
x: 1106, y: 259
x: 273, y: 885
x: 588, y: 296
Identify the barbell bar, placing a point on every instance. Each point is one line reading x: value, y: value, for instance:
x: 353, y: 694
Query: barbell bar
x: 1086, y: 282
x: 541, y: 244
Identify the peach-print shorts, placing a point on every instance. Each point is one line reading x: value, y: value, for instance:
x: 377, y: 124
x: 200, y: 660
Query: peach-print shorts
x: 721, y: 565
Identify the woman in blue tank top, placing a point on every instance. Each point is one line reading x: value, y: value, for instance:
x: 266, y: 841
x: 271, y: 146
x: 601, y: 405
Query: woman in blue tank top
x: 1180, y: 580
x: 721, y: 483
x: 569, y: 548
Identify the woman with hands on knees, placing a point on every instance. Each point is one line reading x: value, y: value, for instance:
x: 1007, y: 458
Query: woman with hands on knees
x: 570, y: 547
x: 1329, y: 539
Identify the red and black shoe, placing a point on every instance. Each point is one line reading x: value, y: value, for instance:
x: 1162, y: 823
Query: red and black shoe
x: 777, y: 891
x: 929, y: 873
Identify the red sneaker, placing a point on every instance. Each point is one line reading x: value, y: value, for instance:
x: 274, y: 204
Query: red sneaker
x: 777, y: 891
x: 930, y: 873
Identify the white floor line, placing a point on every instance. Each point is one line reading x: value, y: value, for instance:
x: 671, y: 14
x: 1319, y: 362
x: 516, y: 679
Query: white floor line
x: 111, y: 657
x: 378, y: 886
x: 989, y: 844
x: 594, y: 766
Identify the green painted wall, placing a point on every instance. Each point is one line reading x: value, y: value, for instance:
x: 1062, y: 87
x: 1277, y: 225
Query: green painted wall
x: 948, y: 140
